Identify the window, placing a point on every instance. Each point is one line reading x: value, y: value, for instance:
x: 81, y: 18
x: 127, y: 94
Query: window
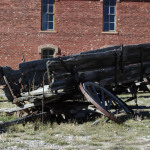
x: 48, y: 50
x: 47, y: 53
x: 47, y: 14
x: 109, y: 15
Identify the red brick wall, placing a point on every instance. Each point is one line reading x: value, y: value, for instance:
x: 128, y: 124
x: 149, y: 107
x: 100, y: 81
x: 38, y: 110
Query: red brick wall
x: 78, y: 26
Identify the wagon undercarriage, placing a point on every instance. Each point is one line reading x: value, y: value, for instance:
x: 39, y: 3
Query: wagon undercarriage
x: 69, y: 85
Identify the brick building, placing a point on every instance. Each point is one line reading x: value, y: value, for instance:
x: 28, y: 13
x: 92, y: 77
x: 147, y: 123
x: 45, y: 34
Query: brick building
x: 45, y: 28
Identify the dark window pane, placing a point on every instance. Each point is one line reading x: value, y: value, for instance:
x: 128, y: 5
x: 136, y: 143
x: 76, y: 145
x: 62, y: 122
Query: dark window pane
x: 106, y: 26
x: 106, y: 2
x: 112, y: 18
x: 50, y: 17
x: 106, y: 10
x: 112, y: 10
x: 51, y: 52
x: 112, y: 26
x: 44, y: 25
x: 106, y: 18
x: 109, y: 15
x: 44, y: 9
x: 47, y: 14
x: 45, y: 52
x: 113, y: 2
x: 51, y: 1
x: 50, y: 25
x: 45, y: 1
x: 48, y: 1
x: 44, y: 17
x: 51, y: 10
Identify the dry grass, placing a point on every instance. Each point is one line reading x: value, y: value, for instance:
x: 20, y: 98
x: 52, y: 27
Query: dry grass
x: 6, y: 104
x: 131, y: 135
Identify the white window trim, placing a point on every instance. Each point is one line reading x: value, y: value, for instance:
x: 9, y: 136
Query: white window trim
x: 118, y: 1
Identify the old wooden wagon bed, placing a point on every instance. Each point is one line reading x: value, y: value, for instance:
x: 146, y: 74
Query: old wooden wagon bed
x: 93, y: 75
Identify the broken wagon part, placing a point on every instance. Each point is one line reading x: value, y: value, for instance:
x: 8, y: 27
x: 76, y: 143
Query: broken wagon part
x: 22, y: 120
x: 35, y: 103
x: 120, y: 69
x: 39, y: 91
x: 104, y: 100
x: 145, y: 84
x: 67, y: 111
x: 124, y: 66
x: 10, y: 89
x: 75, y: 108
x: 57, y: 79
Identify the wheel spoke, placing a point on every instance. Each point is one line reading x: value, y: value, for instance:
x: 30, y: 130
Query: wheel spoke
x: 103, y: 100
x: 95, y: 94
x: 109, y: 104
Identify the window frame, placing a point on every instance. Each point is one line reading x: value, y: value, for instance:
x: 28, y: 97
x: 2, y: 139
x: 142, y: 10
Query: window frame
x: 109, y: 16
x: 47, y: 14
x: 43, y: 56
x: 48, y: 46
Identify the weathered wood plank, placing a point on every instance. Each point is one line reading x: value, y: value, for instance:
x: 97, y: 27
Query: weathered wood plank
x: 21, y: 120
x: 130, y: 74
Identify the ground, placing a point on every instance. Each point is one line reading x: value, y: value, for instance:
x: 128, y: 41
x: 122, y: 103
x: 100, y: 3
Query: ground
x: 132, y: 134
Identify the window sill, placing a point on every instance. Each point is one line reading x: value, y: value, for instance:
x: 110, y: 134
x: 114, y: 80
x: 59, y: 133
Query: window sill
x: 48, y: 31
x: 110, y: 32
x: 118, y: 1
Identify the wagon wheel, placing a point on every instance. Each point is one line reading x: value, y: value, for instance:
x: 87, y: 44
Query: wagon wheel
x: 104, y: 100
